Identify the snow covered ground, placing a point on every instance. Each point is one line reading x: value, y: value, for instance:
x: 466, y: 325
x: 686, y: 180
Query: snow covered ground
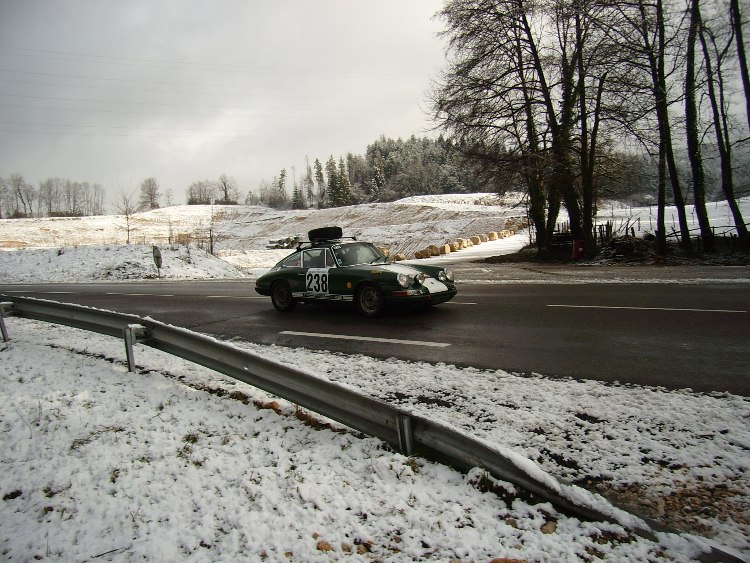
x: 110, y: 263
x: 82, y: 249
x: 179, y: 463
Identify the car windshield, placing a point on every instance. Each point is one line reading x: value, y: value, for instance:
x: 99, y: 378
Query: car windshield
x: 357, y: 253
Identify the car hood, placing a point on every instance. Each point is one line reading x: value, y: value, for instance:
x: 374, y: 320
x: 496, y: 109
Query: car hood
x: 395, y: 269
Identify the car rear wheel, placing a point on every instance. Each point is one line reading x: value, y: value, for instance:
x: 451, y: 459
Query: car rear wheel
x: 369, y: 300
x: 281, y: 297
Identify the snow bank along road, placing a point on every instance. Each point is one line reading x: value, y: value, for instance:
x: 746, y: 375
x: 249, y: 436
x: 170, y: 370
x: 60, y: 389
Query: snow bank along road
x: 676, y: 335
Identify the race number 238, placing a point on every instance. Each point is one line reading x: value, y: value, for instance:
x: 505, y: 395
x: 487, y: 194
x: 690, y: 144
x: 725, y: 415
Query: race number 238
x: 316, y: 280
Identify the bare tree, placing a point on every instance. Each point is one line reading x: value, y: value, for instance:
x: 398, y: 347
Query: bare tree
x: 227, y: 188
x: 97, y: 200
x: 24, y: 195
x: 646, y: 44
x: 92, y: 199
x: 149, y: 194
x: 72, y: 195
x: 4, y: 196
x: 692, y: 128
x: 47, y: 193
x: 126, y: 206
x: 202, y: 192
x: 714, y: 57
x: 60, y: 197
x: 734, y: 10
x: 528, y: 87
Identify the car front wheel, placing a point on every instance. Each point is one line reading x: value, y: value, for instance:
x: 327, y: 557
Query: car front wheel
x: 369, y: 300
x: 281, y: 297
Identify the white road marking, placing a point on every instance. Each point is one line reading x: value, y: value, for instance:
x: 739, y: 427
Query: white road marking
x: 235, y: 297
x: 367, y: 339
x: 142, y: 294
x: 45, y: 292
x: 120, y: 293
x: 648, y: 308
x: 458, y: 303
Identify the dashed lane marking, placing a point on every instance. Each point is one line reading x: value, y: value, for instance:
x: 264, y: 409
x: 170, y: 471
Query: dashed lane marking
x: 366, y: 339
x: 648, y: 308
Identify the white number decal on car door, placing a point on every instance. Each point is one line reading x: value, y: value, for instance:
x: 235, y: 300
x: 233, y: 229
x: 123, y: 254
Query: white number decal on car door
x: 316, y: 280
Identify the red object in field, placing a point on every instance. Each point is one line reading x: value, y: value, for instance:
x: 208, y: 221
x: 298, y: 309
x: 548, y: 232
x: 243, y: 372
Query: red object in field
x: 577, y: 249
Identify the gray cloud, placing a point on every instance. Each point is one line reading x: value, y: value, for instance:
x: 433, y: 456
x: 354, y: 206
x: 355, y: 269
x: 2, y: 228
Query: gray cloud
x: 113, y: 92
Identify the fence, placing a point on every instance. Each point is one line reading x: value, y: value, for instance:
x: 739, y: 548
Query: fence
x: 410, y: 433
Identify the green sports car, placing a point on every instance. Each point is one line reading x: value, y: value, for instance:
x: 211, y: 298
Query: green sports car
x: 329, y: 268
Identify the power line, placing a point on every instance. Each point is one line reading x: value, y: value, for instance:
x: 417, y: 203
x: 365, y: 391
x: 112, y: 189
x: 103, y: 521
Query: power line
x: 137, y: 103
x: 265, y: 139
x: 182, y: 65
x: 130, y: 128
x: 162, y: 114
x: 302, y: 94
x: 222, y: 87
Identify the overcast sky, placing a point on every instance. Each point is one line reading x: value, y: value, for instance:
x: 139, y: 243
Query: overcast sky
x: 115, y: 91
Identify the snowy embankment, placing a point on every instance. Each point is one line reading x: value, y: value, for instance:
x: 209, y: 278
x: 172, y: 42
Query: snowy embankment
x: 94, y: 249
x: 111, y: 263
x: 240, y: 235
x: 402, y: 226
x: 179, y: 463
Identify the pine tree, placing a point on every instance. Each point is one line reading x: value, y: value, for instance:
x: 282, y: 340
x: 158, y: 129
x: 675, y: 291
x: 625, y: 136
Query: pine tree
x: 298, y: 199
x: 376, y: 185
x: 321, y: 183
x: 281, y: 197
x: 333, y: 182
x: 308, y: 184
x: 345, y: 186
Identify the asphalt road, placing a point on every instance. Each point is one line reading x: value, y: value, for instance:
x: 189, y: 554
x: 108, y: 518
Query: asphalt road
x: 694, y: 335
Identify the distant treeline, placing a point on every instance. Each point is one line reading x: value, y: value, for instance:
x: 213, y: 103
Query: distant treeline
x: 393, y: 169
x: 55, y: 197
x: 389, y: 170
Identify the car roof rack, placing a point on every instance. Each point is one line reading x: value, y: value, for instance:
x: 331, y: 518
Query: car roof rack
x: 323, y: 235
x: 321, y: 242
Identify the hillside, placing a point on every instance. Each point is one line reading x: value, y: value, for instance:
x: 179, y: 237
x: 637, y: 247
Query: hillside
x: 403, y: 226
x: 94, y: 248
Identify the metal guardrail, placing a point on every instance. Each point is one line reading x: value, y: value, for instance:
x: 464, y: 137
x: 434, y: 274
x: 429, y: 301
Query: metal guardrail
x: 410, y: 433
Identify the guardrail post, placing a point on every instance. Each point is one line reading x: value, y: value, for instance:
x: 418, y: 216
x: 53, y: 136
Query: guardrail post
x: 405, y: 434
x: 133, y: 334
x: 2, y: 319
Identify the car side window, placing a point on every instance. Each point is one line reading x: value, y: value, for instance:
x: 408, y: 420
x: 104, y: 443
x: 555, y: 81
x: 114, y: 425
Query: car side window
x: 317, y: 258
x: 313, y: 258
x: 294, y: 261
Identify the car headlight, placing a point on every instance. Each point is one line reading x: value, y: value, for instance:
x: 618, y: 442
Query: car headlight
x: 419, y: 278
x: 403, y: 280
x: 445, y: 275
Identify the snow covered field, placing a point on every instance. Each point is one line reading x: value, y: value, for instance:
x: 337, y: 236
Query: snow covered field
x: 179, y: 463
x: 85, y: 249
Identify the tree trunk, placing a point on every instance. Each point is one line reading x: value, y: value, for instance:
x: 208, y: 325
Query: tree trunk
x: 561, y: 178
x: 533, y: 165
x: 734, y: 8
x: 716, y: 78
x: 691, y: 125
x: 661, y: 233
x: 588, y: 147
x: 656, y: 56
